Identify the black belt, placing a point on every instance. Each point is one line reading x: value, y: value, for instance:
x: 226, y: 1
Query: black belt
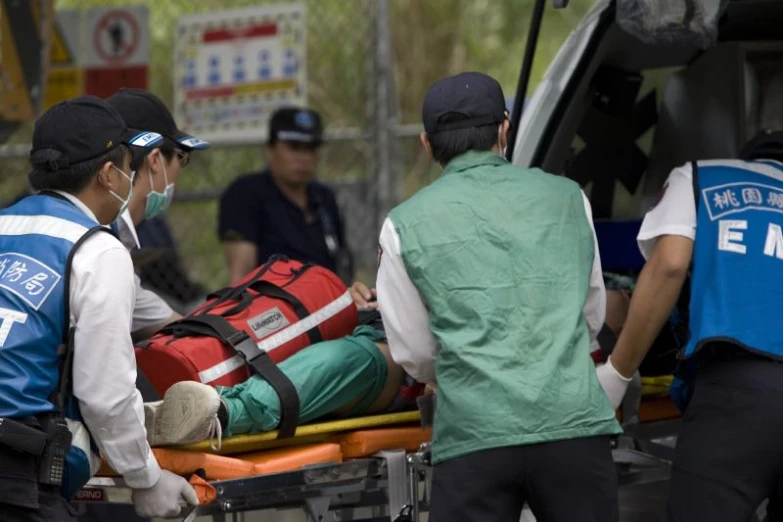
x: 23, y: 435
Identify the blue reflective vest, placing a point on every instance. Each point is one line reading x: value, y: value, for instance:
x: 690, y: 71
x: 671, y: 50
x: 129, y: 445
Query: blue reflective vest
x: 737, y: 260
x: 36, y: 236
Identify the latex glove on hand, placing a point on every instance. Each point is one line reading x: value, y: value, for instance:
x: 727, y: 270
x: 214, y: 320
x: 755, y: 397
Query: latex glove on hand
x: 363, y: 297
x: 163, y: 499
x: 612, y: 382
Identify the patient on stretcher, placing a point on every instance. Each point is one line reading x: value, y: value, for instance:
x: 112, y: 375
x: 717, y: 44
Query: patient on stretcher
x: 347, y: 377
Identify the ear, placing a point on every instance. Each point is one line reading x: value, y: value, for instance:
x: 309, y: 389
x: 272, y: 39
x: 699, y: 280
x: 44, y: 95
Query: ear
x: 504, y: 134
x: 104, y: 175
x: 426, y: 143
x: 153, y: 160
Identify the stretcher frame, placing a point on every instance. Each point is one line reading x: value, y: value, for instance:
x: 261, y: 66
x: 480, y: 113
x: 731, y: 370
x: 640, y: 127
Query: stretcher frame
x: 392, y: 485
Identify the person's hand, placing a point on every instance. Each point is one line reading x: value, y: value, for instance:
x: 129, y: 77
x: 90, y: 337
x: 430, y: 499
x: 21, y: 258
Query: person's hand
x: 612, y: 382
x: 162, y: 499
x: 363, y: 297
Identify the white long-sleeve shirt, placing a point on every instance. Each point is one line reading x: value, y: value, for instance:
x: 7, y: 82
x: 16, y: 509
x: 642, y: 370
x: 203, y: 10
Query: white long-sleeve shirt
x: 149, y: 309
x: 103, y: 295
x: 405, y: 316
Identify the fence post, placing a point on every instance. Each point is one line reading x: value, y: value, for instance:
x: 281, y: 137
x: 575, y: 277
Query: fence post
x: 383, y: 134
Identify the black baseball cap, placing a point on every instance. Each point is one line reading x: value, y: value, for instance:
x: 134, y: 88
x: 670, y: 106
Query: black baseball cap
x: 296, y: 124
x: 476, y: 96
x: 143, y: 110
x: 81, y: 129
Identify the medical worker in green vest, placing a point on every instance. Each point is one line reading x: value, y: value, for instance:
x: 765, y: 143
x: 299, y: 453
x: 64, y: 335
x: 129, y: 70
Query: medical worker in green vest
x: 490, y: 289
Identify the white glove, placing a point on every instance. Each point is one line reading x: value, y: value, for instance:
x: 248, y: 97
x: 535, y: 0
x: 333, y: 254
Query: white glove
x: 162, y: 499
x: 612, y: 382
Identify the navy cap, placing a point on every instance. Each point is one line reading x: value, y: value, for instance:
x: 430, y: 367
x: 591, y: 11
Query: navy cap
x: 143, y: 110
x: 297, y: 125
x: 81, y: 129
x: 476, y: 96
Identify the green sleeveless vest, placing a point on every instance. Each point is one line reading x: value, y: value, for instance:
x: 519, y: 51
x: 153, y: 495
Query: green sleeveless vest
x: 502, y: 257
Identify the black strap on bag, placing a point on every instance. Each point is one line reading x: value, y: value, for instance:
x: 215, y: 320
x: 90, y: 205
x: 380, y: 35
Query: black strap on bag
x: 219, y: 328
x: 237, y: 292
x: 66, y: 348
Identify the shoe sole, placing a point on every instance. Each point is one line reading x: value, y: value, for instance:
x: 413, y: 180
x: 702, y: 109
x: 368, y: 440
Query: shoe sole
x: 177, y: 421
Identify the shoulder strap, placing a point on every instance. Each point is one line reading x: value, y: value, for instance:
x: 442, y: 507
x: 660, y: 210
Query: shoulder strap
x: 217, y: 327
x: 695, y: 182
x: 66, y: 348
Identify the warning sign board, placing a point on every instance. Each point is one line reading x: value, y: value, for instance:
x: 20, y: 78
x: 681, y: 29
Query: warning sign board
x: 117, y: 51
x: 64, y: 80
x: 234, y: 68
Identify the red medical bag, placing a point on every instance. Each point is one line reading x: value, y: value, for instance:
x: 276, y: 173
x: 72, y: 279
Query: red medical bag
x: 275, y: 311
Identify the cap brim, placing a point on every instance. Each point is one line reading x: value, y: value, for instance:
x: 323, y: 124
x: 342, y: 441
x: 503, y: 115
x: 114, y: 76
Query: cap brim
x: 137, y: 138
x: 141, y: 145
x: 188, y: 142
x: 300, y: 137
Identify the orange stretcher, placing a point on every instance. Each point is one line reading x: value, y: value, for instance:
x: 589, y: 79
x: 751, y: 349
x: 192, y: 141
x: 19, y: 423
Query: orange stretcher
x: 379, y: 462
x: 253, y: 471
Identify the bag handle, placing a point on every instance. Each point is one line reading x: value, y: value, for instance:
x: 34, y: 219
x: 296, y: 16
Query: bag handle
x: 233, y: 293
x: 269, y: 289
x: 217, y: 327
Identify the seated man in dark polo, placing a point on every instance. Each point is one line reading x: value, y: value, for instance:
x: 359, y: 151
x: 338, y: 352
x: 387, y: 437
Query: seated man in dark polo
x: 282, y: 209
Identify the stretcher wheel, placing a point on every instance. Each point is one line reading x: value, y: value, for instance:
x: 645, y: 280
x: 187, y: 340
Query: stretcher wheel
x: 560, y: 4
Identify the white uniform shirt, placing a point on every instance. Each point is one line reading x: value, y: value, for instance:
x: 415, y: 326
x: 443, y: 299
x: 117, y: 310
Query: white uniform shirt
x: 673, y: 215
x: 149, y: 309
x: 103, y: 293
x: 405, y: 316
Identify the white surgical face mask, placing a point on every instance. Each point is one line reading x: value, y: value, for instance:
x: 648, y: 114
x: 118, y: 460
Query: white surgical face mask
x: 124, y: 202
x: 158, y: 202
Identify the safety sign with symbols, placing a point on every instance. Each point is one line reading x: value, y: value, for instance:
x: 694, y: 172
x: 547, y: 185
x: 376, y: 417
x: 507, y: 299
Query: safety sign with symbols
x: 234, y: 68
x: 117, y: 50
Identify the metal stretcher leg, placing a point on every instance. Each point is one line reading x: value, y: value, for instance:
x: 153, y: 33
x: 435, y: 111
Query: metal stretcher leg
x: 632, y: 400
x: 317, y: 509
x: 398, y: 489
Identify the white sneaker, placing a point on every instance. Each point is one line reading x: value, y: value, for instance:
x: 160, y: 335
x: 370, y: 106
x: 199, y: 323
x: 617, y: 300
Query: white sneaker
x: 187, y: 414
x: 151, y: 410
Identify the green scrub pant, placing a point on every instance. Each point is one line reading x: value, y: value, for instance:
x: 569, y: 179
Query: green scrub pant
x: 327, y: 376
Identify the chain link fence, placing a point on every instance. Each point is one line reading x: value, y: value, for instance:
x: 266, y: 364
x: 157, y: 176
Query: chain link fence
x: 369, y: 63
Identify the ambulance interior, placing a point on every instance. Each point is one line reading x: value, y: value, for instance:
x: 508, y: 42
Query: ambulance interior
x: 632, y: 112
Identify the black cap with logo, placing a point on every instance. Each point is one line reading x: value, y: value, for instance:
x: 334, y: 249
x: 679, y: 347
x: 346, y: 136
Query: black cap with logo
x: 81, y: 129
x: 475, y: 96
x: 143, y: 110
x: 294, y: 124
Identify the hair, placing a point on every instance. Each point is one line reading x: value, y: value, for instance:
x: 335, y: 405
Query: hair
x: 72, y: 179
x: 168, y: 149
x: 448, y: 144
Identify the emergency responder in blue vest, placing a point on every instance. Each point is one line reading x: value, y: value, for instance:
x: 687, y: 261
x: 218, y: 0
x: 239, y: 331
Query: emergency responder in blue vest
x: 61, y: 285
x: 723, y: 222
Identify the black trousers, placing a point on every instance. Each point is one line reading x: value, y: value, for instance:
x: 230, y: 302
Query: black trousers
x: 562, y: 481
x: 729, y: 454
